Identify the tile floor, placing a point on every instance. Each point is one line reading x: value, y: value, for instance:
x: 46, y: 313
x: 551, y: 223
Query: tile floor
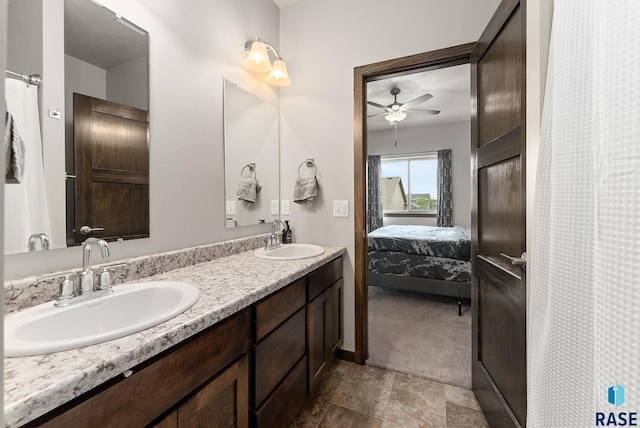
x: 351, y: 395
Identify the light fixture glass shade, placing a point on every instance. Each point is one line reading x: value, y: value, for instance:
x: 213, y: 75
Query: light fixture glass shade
x: 278, y: 75
x: 395, y: 116
x: 258, y: 59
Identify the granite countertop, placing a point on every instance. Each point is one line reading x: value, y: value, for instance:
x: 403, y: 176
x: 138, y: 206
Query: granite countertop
x: 35, y: 385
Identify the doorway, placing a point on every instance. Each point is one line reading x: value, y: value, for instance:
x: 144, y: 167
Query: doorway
x: 419, y: 236
x: 442, y: 58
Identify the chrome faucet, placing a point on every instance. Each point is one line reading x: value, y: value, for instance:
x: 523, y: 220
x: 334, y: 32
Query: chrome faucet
x: 44, y: 241
x: 274, y: 240
x: 86, y: 276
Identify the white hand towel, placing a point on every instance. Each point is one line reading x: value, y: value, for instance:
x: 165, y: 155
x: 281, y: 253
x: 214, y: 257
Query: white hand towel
x: 306, y: 188
x: 14, y: 151
x: 248, y: 189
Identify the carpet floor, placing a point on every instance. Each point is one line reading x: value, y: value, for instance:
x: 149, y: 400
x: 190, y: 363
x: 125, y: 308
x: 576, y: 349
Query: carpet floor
x: 420, y: 334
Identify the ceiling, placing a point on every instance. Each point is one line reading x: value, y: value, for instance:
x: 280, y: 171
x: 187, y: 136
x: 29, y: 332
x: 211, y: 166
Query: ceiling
x: 283, y: 3
x: 450, y: 87
x: 92, y: 34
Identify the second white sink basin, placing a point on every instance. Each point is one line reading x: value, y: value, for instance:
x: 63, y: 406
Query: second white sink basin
x: 45, y: 328
x: 290, y: 252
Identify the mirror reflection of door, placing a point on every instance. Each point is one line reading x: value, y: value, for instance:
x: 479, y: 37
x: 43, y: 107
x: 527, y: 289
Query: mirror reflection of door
x: 111, y: 156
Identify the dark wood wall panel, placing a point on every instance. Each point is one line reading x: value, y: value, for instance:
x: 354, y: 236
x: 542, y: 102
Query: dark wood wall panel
x: 500, y: 110
x: 498, y: 311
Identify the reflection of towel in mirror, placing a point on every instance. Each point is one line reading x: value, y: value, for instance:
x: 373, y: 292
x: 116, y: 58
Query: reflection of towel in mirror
x: 248, y: 189
x: 306, y: 189
x: 14, y: 151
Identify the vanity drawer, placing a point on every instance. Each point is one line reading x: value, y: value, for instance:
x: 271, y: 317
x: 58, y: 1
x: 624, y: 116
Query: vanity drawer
x: 272, y: 311
x: 321, y: 278
x: 277, y: 353
x: 157, y: 385
x: 280, y: 409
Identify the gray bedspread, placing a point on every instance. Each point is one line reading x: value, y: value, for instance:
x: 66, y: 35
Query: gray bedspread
x: 449, y: 242
x: 419, y: 265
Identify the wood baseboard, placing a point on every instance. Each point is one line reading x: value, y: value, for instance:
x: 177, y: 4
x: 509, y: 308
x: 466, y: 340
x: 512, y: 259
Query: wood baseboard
x: 346, y: 355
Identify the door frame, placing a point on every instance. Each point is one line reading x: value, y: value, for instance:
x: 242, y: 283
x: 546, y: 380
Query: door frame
x: 441, y: 58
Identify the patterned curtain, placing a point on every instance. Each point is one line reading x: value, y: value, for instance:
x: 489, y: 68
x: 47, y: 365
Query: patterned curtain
x: 374, y: 194
x: 445, y: 193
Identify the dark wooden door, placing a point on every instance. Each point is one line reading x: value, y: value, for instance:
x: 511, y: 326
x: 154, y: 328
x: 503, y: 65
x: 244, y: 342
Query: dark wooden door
x: 111, y: 155
x: 498, y: 220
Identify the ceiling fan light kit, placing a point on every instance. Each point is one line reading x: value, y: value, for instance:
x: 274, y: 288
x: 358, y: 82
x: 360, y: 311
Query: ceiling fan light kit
x: 258, y: 60
x: 397, y: 112
x: 395, y: 116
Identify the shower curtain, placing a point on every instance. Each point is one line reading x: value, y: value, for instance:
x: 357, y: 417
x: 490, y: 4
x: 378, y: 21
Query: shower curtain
x: 584, y: 317
x: 25, y: 203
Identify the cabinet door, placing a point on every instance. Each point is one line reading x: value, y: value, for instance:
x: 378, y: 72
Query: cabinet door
x: 317, y: 337
x: 334, y: 318
x: 169, y: 421
x: 223, y: 402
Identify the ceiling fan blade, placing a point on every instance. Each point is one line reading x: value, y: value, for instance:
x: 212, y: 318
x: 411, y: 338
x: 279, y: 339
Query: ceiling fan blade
x: 378, y: 114
x: 377, y: 105
x: 416, y: 101
x: 432, y: 112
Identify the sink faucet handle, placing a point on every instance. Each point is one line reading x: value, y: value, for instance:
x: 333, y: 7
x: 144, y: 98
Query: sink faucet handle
x: 67, y: 291
x: 104, y: 277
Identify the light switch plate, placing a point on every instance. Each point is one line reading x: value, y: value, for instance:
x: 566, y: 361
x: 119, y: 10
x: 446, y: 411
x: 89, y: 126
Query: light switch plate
x: 274, y: 207
x: 341, y: 208
x: 284, y: 207
x: 231, y: 207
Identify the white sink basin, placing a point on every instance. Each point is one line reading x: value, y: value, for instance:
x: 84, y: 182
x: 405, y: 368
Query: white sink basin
x: 290, y: 252
x: 45, y: 328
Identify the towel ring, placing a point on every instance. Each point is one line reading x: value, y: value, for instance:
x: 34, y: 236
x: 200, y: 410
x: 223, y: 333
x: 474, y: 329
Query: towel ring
x: 310, y: 163
x: 251, y: 166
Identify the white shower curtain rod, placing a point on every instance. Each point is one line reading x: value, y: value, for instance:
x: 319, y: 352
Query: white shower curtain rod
x: 31, y: 79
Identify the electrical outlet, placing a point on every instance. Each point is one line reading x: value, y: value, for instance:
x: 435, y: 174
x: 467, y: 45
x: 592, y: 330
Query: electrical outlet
x: 231, y: 207
x: 274, y: 207
x: 284, y: 207
x: 341, y: 208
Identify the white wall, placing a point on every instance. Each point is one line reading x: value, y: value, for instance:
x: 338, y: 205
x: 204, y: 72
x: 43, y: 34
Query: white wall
x: 123, y: 88
x: 192, y: 47
x: 322, y: 41
x: 83, y: 78
x: 414, y: 139
x: 51, y: 96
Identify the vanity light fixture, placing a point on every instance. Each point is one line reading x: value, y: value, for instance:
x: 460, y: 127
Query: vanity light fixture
x: 258, y: 60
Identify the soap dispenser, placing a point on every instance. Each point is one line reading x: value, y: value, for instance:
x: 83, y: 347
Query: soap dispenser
x: 287, y: 234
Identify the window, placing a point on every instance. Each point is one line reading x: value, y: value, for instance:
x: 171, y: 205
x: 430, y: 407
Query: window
x: 409, y: 184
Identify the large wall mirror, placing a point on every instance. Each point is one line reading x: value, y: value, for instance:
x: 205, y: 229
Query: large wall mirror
x: 85, y: 129
x: 251, y: 158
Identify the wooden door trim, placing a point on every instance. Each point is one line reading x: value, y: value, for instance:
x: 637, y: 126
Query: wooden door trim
x: 440, y: 58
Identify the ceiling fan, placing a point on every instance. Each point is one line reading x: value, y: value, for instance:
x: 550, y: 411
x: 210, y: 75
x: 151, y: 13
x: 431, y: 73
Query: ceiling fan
x: 396, y: 111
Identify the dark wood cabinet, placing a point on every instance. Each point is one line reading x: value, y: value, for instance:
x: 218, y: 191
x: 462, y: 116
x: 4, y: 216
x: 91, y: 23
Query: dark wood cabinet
x: 160, y: 384
x: 335, y: 300
x: 324, y: 318
x: 279, y: 363
x: 222, y: 402
x: 212, y: 379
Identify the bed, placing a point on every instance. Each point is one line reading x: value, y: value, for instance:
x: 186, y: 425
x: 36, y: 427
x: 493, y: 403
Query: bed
x: 426, y: 259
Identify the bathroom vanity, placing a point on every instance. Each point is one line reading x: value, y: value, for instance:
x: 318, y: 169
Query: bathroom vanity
x: 246, y: 354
